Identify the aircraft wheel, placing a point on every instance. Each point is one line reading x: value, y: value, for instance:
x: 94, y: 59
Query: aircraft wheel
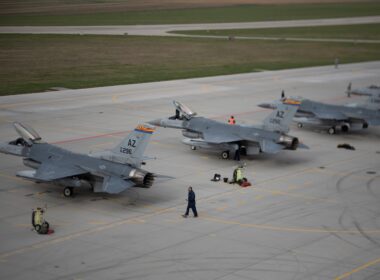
x: 225, y: 155
x: 331, y: 130
x: 193, y: 148
x: 365, y: 125
x: 68, y: 191
x: 299, y: 125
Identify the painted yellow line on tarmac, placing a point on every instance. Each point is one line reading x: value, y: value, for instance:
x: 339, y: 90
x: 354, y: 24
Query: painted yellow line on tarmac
x: 307, y: 197
x: 23, y: 225
x: 97, y: 223
x: 161, y: 211
x: 81, y: 233
x: 13, y: 178
x: 222, y: 208
x: 364, y: 266
x: 289, y: 229
x: 115, y: 98
x: 5, y: 120
x: 155, y: 142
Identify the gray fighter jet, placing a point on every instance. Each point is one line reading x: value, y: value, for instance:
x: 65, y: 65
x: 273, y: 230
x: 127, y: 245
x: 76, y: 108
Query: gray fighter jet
x: 328, y: 116
x: 110, y: 171
x: 200, y: 132
x: 373, y: 93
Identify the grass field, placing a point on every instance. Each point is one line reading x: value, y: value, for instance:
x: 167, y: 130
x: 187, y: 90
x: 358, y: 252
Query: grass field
x: 359, y: 31
x: 242, y: 13
x: 32, y: 63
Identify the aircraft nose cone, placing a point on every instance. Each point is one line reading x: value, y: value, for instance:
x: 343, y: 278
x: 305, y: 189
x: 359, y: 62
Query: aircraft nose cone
x: 267, y: 105
x: 156, y: 122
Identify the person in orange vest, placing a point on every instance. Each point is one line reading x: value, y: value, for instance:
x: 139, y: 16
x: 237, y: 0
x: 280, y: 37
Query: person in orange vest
x: 232, y: 120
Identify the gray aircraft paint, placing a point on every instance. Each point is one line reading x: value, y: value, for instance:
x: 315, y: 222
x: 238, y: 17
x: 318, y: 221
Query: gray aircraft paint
x: 110, y: 172
x: 328, y: 115
x: 372, y: 92
x: 200, y: 132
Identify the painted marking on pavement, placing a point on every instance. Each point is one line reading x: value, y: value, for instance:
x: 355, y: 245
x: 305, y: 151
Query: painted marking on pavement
x: 364, y: 266
x: 289, y: 229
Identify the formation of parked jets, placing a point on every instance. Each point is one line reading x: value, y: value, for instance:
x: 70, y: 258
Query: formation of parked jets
x: 116, y: 170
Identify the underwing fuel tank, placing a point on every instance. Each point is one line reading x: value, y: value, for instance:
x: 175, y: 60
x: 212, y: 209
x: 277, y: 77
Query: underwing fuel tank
x: 192, y: 134
x: 199, y: 143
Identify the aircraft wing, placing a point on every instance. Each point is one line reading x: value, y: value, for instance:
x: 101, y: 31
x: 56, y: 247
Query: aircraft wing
x: 49, y: 172
x: 220, y: 138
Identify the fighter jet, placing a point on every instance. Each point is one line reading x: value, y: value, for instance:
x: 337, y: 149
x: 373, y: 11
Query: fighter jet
x: 328, y: 116
x: 373, y: 93
x: 204, y: 133
x: 110, y: 171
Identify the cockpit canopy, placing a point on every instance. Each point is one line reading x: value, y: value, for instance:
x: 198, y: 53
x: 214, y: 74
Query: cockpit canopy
x: 27, y: 133
x: 293, y: 100
x: 186, y: 112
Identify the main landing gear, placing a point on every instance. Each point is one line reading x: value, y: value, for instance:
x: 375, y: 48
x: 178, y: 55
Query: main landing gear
x: 225, y: 155
x: 331, y: 130
x: 68, y: 191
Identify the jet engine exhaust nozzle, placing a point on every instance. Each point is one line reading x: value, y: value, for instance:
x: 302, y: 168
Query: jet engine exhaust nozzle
x: 290, y: 143
x: 142, y: 179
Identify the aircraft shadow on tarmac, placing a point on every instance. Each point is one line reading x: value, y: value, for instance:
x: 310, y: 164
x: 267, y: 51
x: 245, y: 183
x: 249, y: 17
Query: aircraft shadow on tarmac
x: 133, y: 197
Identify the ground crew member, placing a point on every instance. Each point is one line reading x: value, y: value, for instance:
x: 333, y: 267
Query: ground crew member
x: 237, y: 154
x: 238, y: 174
x: 38, y: 221
x: 37, y: 217
x: 232, y: 120
x: 336, y: 62
x: 191, y: 203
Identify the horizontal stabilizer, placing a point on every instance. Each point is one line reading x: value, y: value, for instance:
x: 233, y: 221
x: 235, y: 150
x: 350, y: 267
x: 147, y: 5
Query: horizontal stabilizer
x: 303, y: 146
x: 270, y: 147
x: 112, y: 184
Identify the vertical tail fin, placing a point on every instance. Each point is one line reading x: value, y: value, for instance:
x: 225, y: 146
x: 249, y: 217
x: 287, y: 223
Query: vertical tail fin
x: 133, y: 146
x: 282, y: 116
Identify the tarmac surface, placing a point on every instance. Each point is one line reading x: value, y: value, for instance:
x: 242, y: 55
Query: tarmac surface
x: 310, y: 214
x: 163, y: 30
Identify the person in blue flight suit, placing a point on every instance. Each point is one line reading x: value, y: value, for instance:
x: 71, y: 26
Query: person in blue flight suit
x: 191, y: 204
